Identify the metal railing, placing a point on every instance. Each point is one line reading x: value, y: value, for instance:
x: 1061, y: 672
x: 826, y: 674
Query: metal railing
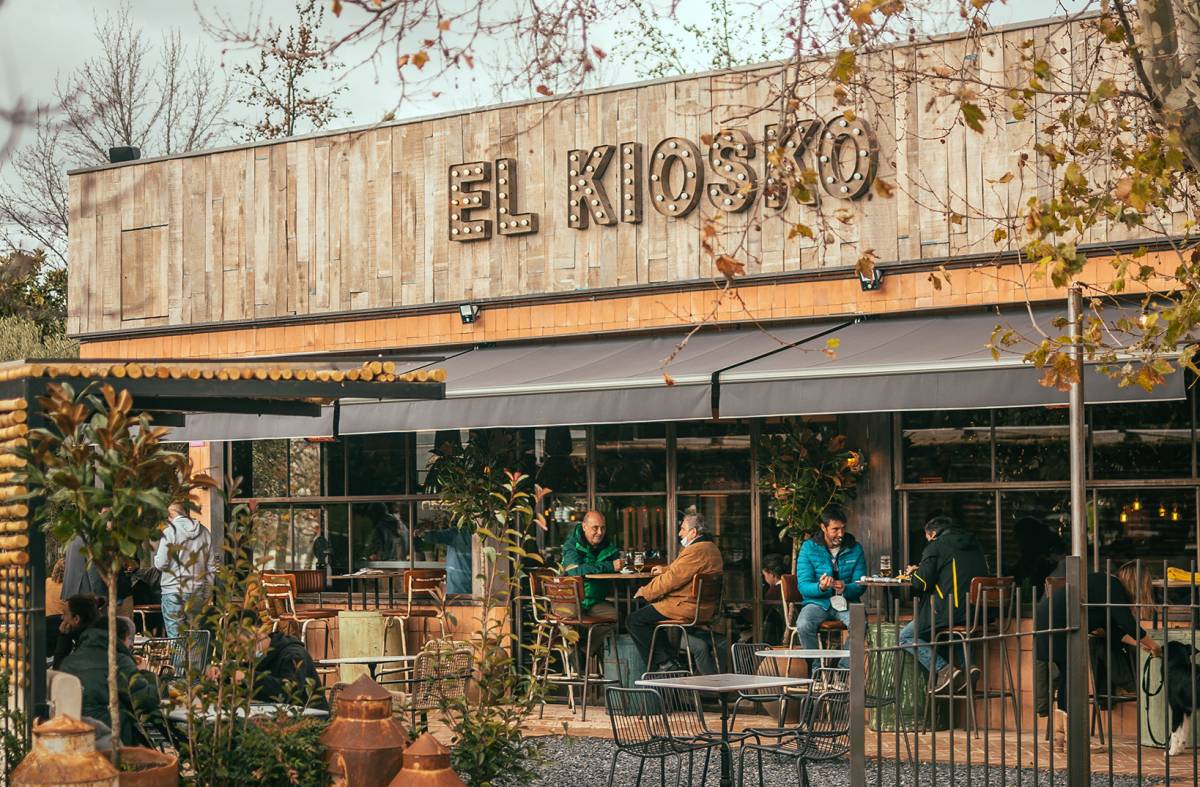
x: 1017, y: 656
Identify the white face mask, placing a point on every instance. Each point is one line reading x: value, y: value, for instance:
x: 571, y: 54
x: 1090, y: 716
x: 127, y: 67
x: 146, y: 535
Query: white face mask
x: 683, y: 542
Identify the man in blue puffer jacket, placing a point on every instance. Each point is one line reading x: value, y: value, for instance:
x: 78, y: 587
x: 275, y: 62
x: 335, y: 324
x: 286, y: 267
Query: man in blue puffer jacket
x: 827, y: 571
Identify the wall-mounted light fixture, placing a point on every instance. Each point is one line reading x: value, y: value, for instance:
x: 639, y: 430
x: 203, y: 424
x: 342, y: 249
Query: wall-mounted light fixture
x: 872, y: 282
x: 469, y: 312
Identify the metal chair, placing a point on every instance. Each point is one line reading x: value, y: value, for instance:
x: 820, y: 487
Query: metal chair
x: 825, y: 679
x: 685, y: 718
x: 279, y: 594
x: 159, y: 654
x: 440, y: 675
x: 640, y: 729
x: 707, y: 590
x: 562, y: 597
x: 418, y: 584
x: 884, y: 678
x: 825, y: 736
x: 746, y: 662
x: 991, y: 607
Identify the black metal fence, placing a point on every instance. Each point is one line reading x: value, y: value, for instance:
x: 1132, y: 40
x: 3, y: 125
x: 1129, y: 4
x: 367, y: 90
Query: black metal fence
x: 1070, y: 683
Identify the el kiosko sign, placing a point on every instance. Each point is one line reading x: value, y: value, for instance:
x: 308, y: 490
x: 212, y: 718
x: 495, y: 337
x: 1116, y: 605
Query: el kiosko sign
x: 842, y: 152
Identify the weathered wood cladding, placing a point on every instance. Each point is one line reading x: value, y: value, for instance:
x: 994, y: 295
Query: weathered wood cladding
x: 360, y: 220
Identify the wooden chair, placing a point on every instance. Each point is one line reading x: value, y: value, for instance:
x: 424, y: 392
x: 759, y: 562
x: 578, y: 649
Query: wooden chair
x: 789, y: 593
x: 991, y: 611
x: 707, y: 589
x: 419, y: 584
x: 279, y: 594
x: 562, y: 600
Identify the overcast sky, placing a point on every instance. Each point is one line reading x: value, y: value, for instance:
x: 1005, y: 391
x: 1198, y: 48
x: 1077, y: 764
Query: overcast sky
x: 42, y: 39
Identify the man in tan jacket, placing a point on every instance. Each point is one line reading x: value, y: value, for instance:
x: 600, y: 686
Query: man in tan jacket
x: 670, y: 593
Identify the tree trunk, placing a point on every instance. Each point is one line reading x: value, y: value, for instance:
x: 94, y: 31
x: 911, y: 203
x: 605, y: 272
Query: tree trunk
x: 1169, y: 41
x: 114, y: 697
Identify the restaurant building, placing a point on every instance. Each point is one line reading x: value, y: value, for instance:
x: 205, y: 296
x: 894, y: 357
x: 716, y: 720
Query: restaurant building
x: 550, y: 257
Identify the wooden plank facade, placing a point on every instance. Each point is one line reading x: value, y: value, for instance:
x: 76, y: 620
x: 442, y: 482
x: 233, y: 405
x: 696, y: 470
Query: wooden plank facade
x: 363, y: 219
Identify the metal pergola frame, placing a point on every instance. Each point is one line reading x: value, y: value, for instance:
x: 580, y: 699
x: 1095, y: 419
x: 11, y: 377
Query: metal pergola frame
x: 168, y: 394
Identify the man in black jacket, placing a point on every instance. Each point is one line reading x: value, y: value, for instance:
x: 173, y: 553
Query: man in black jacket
x: 951, y: 559
x: 285, y: 671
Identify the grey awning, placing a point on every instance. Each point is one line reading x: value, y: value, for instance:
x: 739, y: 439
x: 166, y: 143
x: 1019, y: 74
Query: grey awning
x: 907, y: 363
x: 213, y: 427
x: 596, y: 381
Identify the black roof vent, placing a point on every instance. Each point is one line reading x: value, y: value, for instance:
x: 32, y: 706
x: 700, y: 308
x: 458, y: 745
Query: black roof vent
x: 123, y: 154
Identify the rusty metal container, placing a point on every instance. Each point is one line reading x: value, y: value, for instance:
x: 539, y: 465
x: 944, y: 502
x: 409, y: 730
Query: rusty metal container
x: 427, y: 764
x: 64, y: 755
x: 363, y: 744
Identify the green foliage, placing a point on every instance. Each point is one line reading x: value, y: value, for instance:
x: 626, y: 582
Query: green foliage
x: 21, y: 338
x: 13, y: 744
x: 489, y: 744
x: 804, y: 471
x: 33, y: 289
x: 104, y: 483
x: 269, y: 751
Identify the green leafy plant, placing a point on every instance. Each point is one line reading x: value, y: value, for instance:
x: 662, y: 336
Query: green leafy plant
x: 13, y: 743
x: 269, y: 751
x: 502, y: 507
x: 804, y: 471
x: 107, y: 483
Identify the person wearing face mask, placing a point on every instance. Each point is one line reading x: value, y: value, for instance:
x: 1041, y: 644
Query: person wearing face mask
x: 828, y: 568
x: 670, y: 592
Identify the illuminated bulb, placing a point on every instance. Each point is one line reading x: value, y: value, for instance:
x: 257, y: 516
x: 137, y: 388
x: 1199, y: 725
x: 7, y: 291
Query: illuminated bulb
x: 1174, y: 513
x: 1137, y: 504
x: 1162, y: 511
x: 1124, y: 516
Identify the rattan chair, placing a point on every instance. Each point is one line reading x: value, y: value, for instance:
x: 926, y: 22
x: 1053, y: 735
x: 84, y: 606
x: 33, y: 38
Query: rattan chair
x: 825, y: 735
x: 440, y: 675
x: 707, y: 590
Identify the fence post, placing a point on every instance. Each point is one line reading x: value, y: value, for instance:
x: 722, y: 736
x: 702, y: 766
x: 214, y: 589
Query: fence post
x: 858, y: 695
x: 1079, y: 756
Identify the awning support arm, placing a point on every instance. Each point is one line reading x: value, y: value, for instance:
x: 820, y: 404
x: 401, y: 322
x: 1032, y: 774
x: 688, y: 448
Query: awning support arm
x: 715, y: 382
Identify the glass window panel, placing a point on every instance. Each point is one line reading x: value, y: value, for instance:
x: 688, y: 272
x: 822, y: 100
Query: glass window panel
x: 306, y: 468
x: 1151, y: 524
x: 562, y: 459
x: 262, y: 466
x: 307, y: 524
x: 429, y: 446
x: 379, y: 464
x: 712, y: 456
x: 1032, y: 444
x: 337, y: 529
x: 972, y: 511
x: 381, y: 534
x: 438, y: 544
x: 728, y: 520
x: 637, y: 522
x: 335, y: 467
x: 631, y: 458
x: 1035, y: 532
x: 1151, y: 440
x: 775, y: 551
x: 563, y: 513
x: 947, y: 446
x: 273, y: 538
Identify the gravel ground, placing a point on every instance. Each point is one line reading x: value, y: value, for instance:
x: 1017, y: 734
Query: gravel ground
x: 582, y: 762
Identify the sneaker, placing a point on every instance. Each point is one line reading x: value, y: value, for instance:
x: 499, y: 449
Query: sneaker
x: 962, y: 679
x: 975, y: 673
x: 945, y: 677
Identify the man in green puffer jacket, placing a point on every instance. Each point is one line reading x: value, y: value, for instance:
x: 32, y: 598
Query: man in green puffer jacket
x: 588, y: 550
x: 138, y: 690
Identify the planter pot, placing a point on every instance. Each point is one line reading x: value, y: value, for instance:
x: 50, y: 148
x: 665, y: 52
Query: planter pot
x: 154, y: 769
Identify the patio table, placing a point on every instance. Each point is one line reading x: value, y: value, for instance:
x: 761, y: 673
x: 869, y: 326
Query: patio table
x: 724, y: 684
x: 372, y: 663
x: 375, y: 575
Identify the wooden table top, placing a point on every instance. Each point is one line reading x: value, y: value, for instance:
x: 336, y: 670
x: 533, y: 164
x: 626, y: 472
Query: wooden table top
x: 622, y: 575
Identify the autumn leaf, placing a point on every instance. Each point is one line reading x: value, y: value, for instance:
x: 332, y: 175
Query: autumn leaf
x: 831, y: 346
x: 420, y: 59
x: 999, y: 235
x: 443, y: 24
x: 943, y: 71
x: 801, y: 229
x: 1005, y: 178
x: 844, y: 66
x: 545, y: 91
x: 861, y: 13
x: 865, y: 267
x: 402, y: 61
x: 884, y: 188
x: 973, y: 116
x: 599, y: 53
x: 1123, y: 189
x: 668, y: 379
x: 956, y: 218
x: 706, y: 140
x: 730, y: 267
x: 337, y: 7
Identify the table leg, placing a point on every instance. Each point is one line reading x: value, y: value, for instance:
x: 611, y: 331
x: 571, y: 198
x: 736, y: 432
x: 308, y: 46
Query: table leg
x: 726, y: 752
x: 376, y: 583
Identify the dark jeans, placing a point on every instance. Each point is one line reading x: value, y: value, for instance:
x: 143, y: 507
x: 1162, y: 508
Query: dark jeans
x: 641, y: 628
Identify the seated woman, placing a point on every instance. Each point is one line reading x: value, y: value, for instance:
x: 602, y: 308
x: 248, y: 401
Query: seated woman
x: 1114, y: 634
x: 81, y: 613
x: 138, y: 692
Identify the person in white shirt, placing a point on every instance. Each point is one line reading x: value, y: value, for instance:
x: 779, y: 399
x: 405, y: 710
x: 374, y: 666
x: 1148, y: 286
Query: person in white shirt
x: 184, y: 557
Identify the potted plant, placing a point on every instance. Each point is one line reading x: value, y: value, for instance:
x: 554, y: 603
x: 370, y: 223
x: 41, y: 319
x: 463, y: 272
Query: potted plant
x: 110, y: 484
x: 803, y: 471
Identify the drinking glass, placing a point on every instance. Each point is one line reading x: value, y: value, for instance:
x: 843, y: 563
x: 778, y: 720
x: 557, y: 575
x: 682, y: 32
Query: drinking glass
x: 885, y: 565
x: 639, y: 561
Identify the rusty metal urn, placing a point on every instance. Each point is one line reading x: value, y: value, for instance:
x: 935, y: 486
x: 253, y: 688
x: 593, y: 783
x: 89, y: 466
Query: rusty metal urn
x: 427, y: 764
x: 64, y: 755
x: 363, y: 744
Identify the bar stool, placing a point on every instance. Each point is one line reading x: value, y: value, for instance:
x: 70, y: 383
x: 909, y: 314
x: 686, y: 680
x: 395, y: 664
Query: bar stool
x: 279, y: 593
x: 563, y: 600
x: 830, y: 635
x: 415, y: 582
x: 991, y: 606
x: 707, y: 589
x: 789, y: 593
